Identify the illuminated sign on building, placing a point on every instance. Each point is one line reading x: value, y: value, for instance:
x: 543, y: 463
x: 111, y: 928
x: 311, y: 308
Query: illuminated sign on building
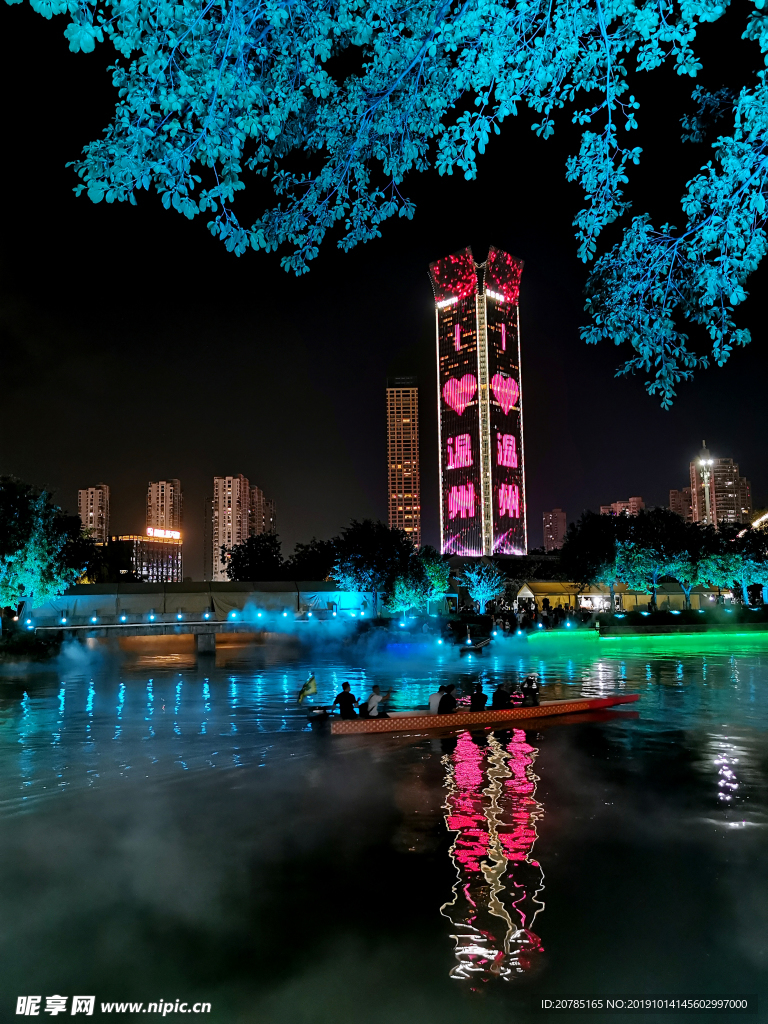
x: 482, y: 472
x: 153, y: 531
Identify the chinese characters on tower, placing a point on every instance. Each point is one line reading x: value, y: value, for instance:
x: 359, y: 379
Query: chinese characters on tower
x: 482, y: 473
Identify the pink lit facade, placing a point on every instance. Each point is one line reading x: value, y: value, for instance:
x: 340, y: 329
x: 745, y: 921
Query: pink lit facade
x: 482, y: 469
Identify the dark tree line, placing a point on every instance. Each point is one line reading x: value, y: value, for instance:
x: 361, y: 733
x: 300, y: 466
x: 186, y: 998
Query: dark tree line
x: 640, y: 551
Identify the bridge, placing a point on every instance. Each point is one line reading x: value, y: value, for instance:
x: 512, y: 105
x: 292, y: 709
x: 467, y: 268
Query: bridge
x: 201, y: 609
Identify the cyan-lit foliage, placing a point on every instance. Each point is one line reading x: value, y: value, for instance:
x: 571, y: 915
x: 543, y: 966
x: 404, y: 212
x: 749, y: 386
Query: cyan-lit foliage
x: 333, y: 102
x: 484, y: 582
x: 34, y: 536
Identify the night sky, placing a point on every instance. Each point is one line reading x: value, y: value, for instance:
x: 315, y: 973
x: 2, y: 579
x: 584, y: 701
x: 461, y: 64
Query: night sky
x: 135, y: 348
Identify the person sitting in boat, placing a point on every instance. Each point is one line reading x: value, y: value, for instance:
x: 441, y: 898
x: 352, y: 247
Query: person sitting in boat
x: 530, y: 691
x: 346, y: 702
x: 477, y: 699
x: 434, y: 700
x: 448, y: 702
x: 501, y: 699
x: 372, y: 704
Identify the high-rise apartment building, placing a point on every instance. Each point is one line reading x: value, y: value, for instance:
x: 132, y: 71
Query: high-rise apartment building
x: 261, y: 513
x: 238, y: 511
x: 480, y: 408
x: 681, y: 503
x: 630, y: 507
x: 718, y: 493
x: 93, y: 508
x: 165, y: 505
x: 555, y: 526
x: 403, y: 480
x: 231, y: 520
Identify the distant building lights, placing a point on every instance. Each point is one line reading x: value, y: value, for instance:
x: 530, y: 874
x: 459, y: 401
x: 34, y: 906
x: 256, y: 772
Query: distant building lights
x: 163, y: 534
x: 448, y: 302
x: 494, y: 295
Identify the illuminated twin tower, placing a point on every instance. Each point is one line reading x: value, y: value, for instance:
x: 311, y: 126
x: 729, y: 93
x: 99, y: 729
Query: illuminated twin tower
x: 482, y: 473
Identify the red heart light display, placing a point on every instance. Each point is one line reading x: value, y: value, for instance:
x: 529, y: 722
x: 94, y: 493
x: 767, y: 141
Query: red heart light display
x: 505, y: 391
x: 459, y: 393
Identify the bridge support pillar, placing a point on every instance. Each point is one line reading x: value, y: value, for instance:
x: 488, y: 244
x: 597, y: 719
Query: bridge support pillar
x: 206, y: 643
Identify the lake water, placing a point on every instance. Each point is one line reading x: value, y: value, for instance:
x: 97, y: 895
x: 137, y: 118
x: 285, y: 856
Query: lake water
x: 172, y: 829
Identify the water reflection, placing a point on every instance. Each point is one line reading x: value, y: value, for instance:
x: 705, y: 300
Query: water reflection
x: 492, y: 809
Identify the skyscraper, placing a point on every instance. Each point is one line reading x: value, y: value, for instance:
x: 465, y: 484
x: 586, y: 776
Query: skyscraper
x: 718, y: 493
x: 403, y: 481
x: 554, y: 529
x: 156, y: 558
x: 165, y: 505
x: 480, y: 410
x: 93, y: 508
x: 231, y: 520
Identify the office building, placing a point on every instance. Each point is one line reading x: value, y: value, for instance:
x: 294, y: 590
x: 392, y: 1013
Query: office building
x: 156, y: 557
x: 93, y: 508
x: 555, y: 526
x: 718, y: 493
x: 164, y: 505
x: 480, y: 408
x: 261, y: 513
x: 629, y: 507
x: 403, y: 482
x: 681, y: 503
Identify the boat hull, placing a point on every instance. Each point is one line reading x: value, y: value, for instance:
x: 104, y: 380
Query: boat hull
x: 407, y: 723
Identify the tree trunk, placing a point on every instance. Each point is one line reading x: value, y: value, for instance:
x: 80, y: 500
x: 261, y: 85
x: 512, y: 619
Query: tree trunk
x: 687, y: 592
x: 745, y: 593
x: 765, y: 593
x: 613, y: 599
